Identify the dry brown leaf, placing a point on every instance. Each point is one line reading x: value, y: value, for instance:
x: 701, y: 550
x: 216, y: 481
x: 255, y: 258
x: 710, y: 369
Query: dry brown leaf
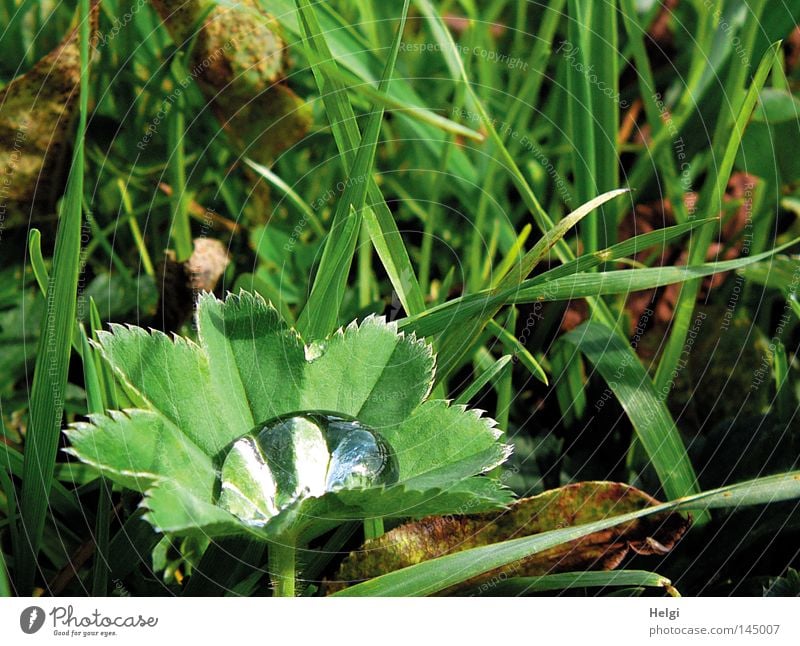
x: 567, y: 506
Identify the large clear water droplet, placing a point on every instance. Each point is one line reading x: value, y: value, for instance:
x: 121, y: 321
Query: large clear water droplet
x: 359, y: 456
x: 301, y: 455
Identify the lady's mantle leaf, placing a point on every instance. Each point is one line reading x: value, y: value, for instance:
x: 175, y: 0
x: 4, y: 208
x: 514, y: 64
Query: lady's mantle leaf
x: 249, y: 367
x: 140, y: 448
x: 574, y: 504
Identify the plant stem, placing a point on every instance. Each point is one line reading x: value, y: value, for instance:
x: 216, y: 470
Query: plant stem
x: 373, y: 528
x: 282, y: 567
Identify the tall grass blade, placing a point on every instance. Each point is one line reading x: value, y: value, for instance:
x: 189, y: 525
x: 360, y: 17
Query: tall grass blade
x: 698, y: 249
x: 321, y: 313
x: 52, y: 358
x: 625, y: 375
x: 379, y: 220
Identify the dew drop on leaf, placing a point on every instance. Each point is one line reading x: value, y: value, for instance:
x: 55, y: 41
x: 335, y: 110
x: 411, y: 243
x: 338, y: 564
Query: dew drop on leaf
x: 298, y: 456
x: 359, y: 456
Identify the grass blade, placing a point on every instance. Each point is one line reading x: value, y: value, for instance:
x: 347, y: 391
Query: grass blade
x: 581, y: 285
x: 96, y: 404
x: 620, y: 250
x: 519, y: 586
x: 619, y: 366
x: 5, y: 583
x: 581, y: 118
x: 697, y: 252
x: 305, y: 211
x: 454, y: 344
x: 52, y: 358
x: 321, y: 313
x: 379, y: 220
x: 484, y: 378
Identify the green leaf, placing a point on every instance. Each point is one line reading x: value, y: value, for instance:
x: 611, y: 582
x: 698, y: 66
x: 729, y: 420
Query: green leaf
x: 248, y: 368
x: 139, y: 448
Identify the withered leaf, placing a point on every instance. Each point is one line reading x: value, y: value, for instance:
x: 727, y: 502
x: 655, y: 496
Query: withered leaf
x: 574, y: 504
x: 239, y: 60
x: 37, y: 110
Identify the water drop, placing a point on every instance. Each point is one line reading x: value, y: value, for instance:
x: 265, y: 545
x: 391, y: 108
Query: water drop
x: 301, y: 455
x: 359, y: 457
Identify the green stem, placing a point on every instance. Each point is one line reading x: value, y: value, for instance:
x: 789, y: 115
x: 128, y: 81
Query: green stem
x: 373, y: 528
x: 282, y: 567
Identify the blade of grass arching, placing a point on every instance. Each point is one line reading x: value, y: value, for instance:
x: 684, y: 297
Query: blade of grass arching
x: 512, y: 344
x: 321, y: 313
x: 710, y: 199
x: 554, y: 235
x: 382, y: 228
x: 580, y: 114
x: 300, y: 205
x: 627, y: 378
x: 523, y: 585
x: 623, y: 281
x: 53, y: 355
x: 459, y: 311
x: 482, y: 379
x: 438, y: 574
x: 625, y: 249
x: 459, y: 339
x: 38, y: 266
